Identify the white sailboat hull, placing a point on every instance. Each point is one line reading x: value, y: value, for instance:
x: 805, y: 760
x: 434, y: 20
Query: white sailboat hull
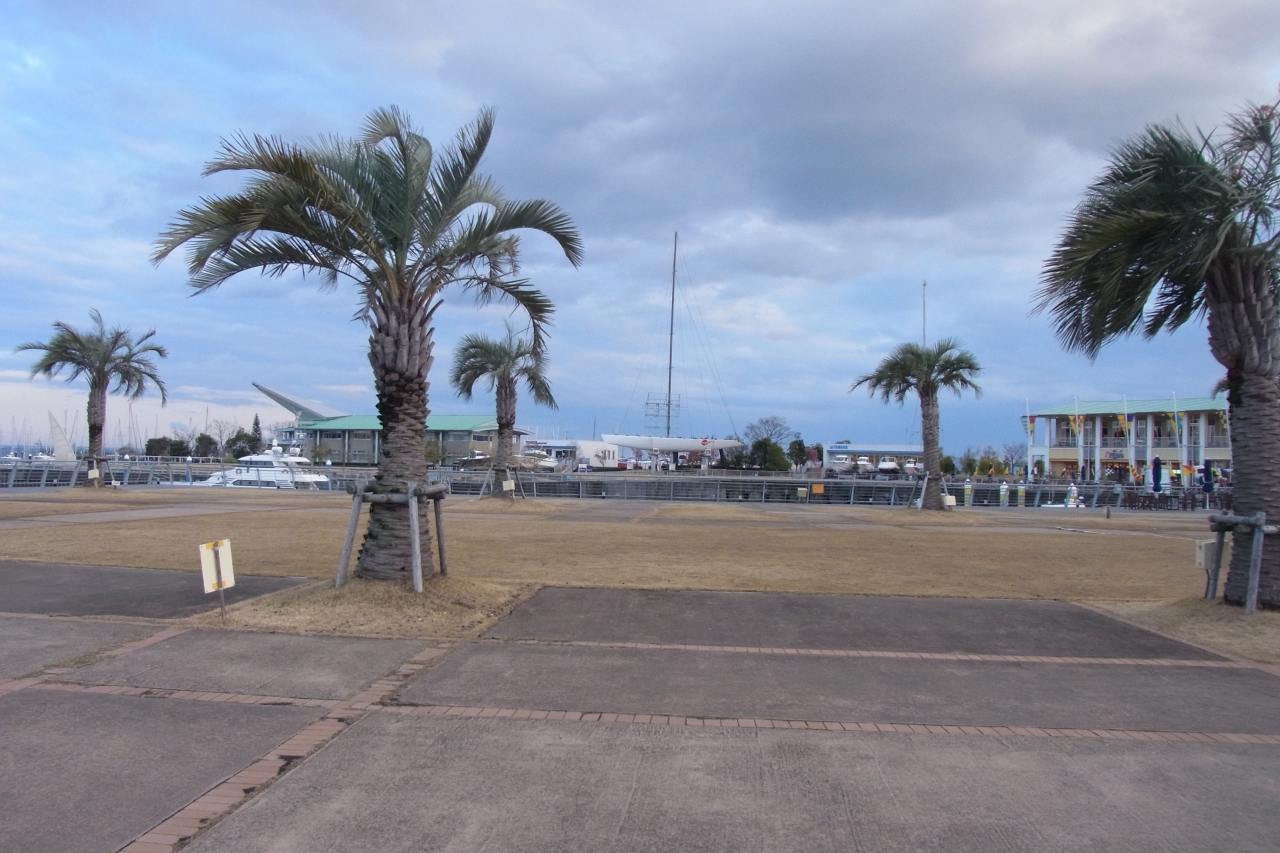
x: 662, y: 444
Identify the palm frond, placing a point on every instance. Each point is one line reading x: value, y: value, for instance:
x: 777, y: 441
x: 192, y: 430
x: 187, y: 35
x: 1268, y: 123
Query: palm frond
x: 922, y: 370
x: 1138, y: 250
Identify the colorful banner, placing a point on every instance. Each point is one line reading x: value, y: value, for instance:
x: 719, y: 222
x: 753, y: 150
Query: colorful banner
x: 1026, y: 424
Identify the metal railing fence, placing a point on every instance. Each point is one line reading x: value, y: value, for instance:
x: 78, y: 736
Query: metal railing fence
x: 660, y: 487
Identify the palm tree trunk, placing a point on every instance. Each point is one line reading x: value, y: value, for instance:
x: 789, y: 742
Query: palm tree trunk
x: 1244, y: 336
x: 400, y: 352
x: 97, y: 412
x: 506, y: 416
x: 929, y: 432
x: 1255, y: 426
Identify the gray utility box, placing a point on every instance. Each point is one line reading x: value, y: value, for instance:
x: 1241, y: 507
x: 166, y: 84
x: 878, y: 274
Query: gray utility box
x: 1204, y: 552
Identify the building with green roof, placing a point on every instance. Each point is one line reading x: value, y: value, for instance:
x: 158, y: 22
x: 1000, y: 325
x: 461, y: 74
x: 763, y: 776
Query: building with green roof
x: 356, y: 439
x: 1120, y: 439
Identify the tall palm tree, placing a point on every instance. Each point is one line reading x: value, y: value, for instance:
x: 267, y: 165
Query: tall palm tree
x: 102, y: 356
x: 1181, y: 228
x: 403, y: 222
x: 503, y: 363
x: 925, y: 370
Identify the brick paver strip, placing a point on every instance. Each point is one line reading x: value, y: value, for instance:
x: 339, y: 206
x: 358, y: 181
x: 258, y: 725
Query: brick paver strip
x: 9, y: 685
x: 156, y: 693
x: 834, y: 726
x: 144, y: 642
x: 863, y: 653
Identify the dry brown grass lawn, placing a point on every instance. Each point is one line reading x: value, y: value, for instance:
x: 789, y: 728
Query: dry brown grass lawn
x: 838, y: 549
x: 1207, y: 623
x: 503, y: 550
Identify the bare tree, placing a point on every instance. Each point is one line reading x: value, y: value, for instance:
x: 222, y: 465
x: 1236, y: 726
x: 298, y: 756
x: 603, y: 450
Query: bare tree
x: 1013, y: 453
x: 186, y: 434
x: 222, y: 430
x: 774, y: 428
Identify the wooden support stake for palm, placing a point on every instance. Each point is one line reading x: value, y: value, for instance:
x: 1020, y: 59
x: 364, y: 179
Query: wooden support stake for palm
x: 415, y: 538
x: 350, y: 540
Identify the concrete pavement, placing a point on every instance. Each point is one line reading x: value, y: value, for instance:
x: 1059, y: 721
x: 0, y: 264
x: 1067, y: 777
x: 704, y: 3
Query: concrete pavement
x: 802, y: 687
x: 403, y: 784
x: 625, y: 720
x: 896, y: 623
x: 28, y: 645
x: 87, y: 772
x: 253, y: 663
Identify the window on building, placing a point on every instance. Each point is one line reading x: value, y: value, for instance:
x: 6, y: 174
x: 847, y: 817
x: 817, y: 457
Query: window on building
x: 332, y: 433
x: 481, y: 437
x: 361, y: 434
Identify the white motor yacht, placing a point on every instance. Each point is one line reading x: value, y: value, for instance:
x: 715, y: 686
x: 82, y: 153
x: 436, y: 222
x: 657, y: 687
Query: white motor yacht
x: 864, y: 465
x: 888, y: 465
x: 913, y: 467
x: 274, y: 469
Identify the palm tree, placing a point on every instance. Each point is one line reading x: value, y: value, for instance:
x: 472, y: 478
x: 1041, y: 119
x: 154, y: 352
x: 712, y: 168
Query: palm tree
x: 503, y: 363
x: 401, y: 221
x: 925, y: 370
x: 1180, y: 228
x: 101, y: 356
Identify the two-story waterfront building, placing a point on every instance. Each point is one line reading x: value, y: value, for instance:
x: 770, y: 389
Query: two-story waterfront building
x: 1119, y: 439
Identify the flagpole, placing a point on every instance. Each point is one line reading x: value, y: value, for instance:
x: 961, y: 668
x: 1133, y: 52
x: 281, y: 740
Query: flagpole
x: 1128, y: 437
x: 1177, y: 430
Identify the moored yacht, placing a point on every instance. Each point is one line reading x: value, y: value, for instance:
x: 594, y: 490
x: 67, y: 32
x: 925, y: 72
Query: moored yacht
x: 888, y: 465
x: 274, y: 469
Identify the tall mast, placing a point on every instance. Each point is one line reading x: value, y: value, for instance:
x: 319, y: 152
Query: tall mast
x: 671, y: 332
x: 924, y: 313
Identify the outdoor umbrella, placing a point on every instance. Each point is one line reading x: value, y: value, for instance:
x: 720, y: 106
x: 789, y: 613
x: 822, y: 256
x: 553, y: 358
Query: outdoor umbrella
x: 1155, y: 474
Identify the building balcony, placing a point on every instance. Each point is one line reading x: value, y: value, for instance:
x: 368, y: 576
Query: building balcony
x: 1070, y: 441
x: 1115, y: 443
x: 1164, y: 441
x: 1218, y: 441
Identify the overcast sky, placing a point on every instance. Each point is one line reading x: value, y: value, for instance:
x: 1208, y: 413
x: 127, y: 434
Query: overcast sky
x: 819, y: 159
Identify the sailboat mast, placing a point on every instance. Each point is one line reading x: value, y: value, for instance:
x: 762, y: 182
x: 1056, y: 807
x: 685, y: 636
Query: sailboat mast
x: 671, y: 331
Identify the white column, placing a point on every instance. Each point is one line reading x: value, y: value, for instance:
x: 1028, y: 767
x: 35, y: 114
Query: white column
x: 1151, y: 439
x: 1031, y: 443
x: 1097, y: 447
x: 1204, y: 432
x: 1079, y: 433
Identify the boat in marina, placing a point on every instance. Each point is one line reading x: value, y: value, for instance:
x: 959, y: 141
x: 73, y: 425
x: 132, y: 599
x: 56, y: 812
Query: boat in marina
x: 275, y: 469
x: 913, y: 467
x: 888, y: 465
x: 864, y: 465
